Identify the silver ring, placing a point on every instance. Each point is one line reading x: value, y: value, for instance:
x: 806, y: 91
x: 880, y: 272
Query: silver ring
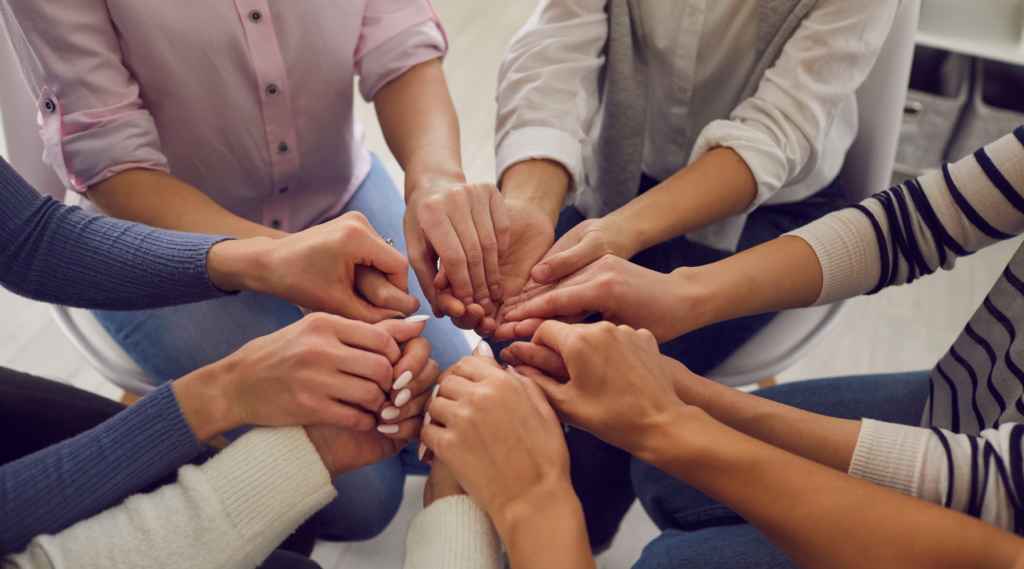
x: 388, y: 241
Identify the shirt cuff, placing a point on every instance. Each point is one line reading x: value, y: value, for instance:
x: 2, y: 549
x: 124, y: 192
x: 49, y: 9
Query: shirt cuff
x: 847, y: 249
x: 764, y: 158
x: 543, y: 143
x: 890, y: 455
x: 455, y: 533
x: 388, y: 61
x: 270, y: 481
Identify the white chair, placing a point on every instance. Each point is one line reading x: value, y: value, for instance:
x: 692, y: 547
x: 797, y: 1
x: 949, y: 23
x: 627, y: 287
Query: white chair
x: 868, y: 169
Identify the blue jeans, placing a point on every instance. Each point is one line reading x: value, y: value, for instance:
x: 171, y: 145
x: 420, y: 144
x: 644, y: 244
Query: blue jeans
x: 697, y: 531
x: 173, y: 342
x: 600, y: 472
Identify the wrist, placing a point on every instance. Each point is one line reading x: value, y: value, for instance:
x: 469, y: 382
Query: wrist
x: 555, y: 498
x: 242, y: 264
x: 205, y: 403
x: 432, y: 170
x: 540, y: 185
x: 692, y: 290
x: 660, y: 438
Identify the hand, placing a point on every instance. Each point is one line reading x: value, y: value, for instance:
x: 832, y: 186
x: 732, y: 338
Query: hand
x: 532, y: 234
x: 322, y: 369
x: 618, y: 388
x: 341, y: 267
x: 466, y: 226
x: 584, y: 244
x: 345, y: 450
x: 498, y: 434
x: 622, y: 292
x: 415, y: 376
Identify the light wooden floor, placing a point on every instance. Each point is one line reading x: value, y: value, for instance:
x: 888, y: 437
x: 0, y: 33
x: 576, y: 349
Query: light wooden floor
x: 897, y: 330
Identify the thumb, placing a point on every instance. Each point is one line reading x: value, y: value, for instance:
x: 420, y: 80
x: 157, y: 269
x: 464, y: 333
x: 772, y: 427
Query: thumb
x: 565, y: 263
x: 403, y: 330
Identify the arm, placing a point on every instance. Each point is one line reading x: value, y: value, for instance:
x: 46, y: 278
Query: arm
x: 890, y: 239
x: 768, y: 141
x: 214, y: 515
x: 620, y: 392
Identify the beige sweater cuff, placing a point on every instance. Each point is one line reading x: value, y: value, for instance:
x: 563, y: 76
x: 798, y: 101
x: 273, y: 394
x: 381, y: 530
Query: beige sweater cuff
x: 454, y: 533
x: 890, y: 455
x: 270, y: 481
x: 847, y: 249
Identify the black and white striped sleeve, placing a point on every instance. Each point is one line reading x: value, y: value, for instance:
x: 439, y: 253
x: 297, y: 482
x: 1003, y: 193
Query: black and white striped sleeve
x: 981, y: 476
x: 914, y: 229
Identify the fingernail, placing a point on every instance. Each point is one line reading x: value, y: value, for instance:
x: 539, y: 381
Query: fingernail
x: 403, y: 397
x: 510, y: 369
x: 422, y: 450
x: 417, y: 319
x: 388, y: 429
x: 511, y: 301
x: 495, y: 291
x: 542, y: 273
x: 468, y: 300
x: 485, y: 303
x: 390, y: 413
x: 426, y: 419
x: 402, y: 380
x: 433, y: 395
x: 484, y: 349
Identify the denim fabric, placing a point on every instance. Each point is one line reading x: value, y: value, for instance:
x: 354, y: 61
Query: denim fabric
x: 172, y: 342
x: 692, y: 519
x: 729, y: 547
x: 604, y: 496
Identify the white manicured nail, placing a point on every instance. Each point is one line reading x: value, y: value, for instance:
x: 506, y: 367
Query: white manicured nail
x: 402, y: 380
x: 422, y: 450
x: 417, y: 318
x: 403, y: 397
x: 484, y: 349
x: 390, y: 413
x: 433, y: 395
x: 388, y: 429
x: 512, y: 370
x: 426, y: 419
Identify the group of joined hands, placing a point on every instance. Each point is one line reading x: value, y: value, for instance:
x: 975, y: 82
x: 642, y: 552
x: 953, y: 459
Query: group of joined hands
x: 358, y: 375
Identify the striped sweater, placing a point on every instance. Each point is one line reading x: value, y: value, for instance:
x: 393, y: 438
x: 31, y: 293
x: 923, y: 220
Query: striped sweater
x: 968, y: 453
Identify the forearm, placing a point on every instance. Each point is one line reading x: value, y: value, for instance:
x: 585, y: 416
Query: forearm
x: 545, y: 530
x: 420, y: 126
x: 715, y: 186
x: 160, y: 200
x: 778, y: 275
x: 541, y: 184
x: 825, y: 440
x: 817, y: 516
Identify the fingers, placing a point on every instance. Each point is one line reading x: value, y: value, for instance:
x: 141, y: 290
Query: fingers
x: 449, y: 305
x: 561, y: 265
x: 447, y: 241
x: 366, y: 337
x: 488, y: 214
x: 555, y: 335
x: 355, y: 391
x: 374, y: 251
x: 403, y: 330
x: 407, y: 430
x: 535, y: 393
x: 470, y: 231
x: 391, y: 414
x: 425, y: 267
x: 561, y: 300
x: 412, y: 388
x: 382, y: 293
x: 555, y: 393
x: 345, y: 416
x: 540, y: 357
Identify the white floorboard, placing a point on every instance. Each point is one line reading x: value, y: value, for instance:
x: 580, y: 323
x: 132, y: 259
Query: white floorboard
x: 898, y: 330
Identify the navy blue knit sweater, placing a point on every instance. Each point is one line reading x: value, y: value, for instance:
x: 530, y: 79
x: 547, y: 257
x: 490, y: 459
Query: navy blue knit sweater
x: 63, y: 255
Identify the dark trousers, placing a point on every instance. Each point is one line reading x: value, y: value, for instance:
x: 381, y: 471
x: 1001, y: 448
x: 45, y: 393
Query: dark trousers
x: 601, y: 472
x: 36, y: 413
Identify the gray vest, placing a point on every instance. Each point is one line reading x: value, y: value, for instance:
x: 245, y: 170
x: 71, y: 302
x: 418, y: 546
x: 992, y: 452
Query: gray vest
x: 619, y: 129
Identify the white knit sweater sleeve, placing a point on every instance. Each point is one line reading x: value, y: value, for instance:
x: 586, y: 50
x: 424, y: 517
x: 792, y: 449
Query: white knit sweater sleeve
x: 453, y: 533
x: 973, y: 475
x: 230, y: 512
x: 914, y: 229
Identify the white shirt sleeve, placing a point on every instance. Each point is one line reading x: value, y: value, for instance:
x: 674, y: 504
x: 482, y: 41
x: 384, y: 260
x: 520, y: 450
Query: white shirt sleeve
x: 230, y: 512
x: 548, y: 87
x: 452, y: 533
x: 781, y: 130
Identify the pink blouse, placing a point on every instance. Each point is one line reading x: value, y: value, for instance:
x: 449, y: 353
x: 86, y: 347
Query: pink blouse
x: 249, y: 101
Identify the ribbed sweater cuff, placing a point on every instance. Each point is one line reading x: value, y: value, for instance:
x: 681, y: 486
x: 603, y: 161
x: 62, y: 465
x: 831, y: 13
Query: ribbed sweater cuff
x: 847, y: 249
x: 270, y: 481
x: 455, y: 533
x: 890, y: 455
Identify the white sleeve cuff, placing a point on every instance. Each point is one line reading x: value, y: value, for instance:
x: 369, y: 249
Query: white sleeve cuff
x: 764, y: 158
x: 454, y: 533
x: 543, y: 143
x: 890, y: 455
x: 847, y: 249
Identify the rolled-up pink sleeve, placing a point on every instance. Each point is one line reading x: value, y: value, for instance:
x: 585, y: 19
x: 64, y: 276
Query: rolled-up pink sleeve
x: 94, y: 124
x: 396, y: 35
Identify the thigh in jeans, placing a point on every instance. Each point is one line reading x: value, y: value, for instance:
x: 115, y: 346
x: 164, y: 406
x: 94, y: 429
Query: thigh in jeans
x: 734, y: 547
x: 894, y: 398
x: 382, y: 204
